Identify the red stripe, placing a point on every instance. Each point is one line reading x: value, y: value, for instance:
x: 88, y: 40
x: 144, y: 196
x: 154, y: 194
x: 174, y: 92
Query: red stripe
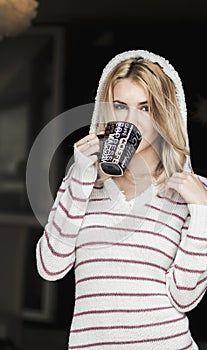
x: 118, y: 277
x: 96, y: 295
x: 60, y: 255
x: 120, y: 261
x: 171, y: 200
x: 184, y: 269
x: 84, y: 183
x: 187, y: 288
x: 68, y: 214
x: 79, y: 199
x: 191, y: 252
x: 187, y: 346
x: 61, y: 190
x: 126, y: 326
x: 58, y: 228
x: 125, y: 245
x: 108, y: 311
x: 166, y: 212
x: 158, y: 235
x: 127, y: 228
x: 204, y: 239
x: 129, y: 342
x: 184, y: 306
x: 50, y: 273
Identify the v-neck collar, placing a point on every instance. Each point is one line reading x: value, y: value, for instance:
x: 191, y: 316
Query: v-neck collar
x: 115, y: 193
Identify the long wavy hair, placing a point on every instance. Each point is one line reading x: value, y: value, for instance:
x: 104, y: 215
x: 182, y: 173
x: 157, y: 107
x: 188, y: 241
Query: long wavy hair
x: 164, y: 110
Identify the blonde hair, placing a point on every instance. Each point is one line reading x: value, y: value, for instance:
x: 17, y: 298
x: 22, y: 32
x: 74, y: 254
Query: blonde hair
x: 164, y: 110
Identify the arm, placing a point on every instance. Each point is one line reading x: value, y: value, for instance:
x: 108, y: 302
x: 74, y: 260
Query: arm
x: 186, y: 279
x: 55, y: 250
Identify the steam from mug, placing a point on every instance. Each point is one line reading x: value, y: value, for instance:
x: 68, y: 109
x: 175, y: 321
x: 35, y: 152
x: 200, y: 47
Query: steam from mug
x: 120, y: 142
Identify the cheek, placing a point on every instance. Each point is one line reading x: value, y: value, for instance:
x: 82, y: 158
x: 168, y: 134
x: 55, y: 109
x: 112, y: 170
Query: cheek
x: 148, y: 140
x: 149, y: 134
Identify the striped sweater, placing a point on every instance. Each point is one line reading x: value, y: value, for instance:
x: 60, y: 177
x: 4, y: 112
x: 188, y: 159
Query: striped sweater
x: 139, y: 265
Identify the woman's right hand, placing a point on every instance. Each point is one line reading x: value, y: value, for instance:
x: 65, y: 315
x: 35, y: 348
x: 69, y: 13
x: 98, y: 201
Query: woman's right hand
x: 89, y: 146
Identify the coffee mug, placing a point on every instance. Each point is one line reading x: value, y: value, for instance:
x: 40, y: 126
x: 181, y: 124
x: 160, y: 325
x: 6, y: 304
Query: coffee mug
x: 119, y: 143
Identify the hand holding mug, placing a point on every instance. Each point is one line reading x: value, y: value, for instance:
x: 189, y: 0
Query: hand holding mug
x: 89, y: 146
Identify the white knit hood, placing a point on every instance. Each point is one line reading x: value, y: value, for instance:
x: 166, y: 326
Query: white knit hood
x: 168, y: 70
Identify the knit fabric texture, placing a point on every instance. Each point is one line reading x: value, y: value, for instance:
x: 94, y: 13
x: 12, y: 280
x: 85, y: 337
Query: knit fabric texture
x: 139, y: 264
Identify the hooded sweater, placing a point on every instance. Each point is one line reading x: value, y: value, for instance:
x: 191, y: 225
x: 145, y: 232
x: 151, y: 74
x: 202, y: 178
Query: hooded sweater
x: 139, y: 264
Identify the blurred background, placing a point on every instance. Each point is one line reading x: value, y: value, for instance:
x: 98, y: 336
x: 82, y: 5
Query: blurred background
x: 52, y: 53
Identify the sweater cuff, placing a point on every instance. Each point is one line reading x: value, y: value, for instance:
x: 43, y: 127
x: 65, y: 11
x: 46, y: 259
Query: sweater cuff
x: 85, y: 168
x: 81, y: 159
x: 84, y: 175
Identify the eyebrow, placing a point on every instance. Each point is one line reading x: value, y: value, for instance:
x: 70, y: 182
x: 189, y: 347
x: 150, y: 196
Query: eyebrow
x: 124, y: 103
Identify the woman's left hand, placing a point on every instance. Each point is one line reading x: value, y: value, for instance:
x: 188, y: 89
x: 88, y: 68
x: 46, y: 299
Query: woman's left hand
x: 189, y: 186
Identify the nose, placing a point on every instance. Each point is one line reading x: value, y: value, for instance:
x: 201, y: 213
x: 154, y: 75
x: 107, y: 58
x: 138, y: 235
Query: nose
x: 131, y: 116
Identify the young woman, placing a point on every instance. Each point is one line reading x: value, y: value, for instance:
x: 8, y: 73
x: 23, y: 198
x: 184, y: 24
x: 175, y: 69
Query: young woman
x: 138, y: 242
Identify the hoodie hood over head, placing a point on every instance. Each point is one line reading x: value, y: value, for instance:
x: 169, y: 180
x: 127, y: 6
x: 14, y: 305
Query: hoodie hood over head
x: 168, y: 70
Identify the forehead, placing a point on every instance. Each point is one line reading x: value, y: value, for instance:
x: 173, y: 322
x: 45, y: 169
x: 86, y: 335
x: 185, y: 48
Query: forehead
x: 128, y: 89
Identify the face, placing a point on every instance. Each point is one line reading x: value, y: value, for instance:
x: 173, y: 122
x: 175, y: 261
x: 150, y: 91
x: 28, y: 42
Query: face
x: 131, y: 104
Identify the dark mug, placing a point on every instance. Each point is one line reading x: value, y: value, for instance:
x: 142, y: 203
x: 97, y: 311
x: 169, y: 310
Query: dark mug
x: 119, y: 143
